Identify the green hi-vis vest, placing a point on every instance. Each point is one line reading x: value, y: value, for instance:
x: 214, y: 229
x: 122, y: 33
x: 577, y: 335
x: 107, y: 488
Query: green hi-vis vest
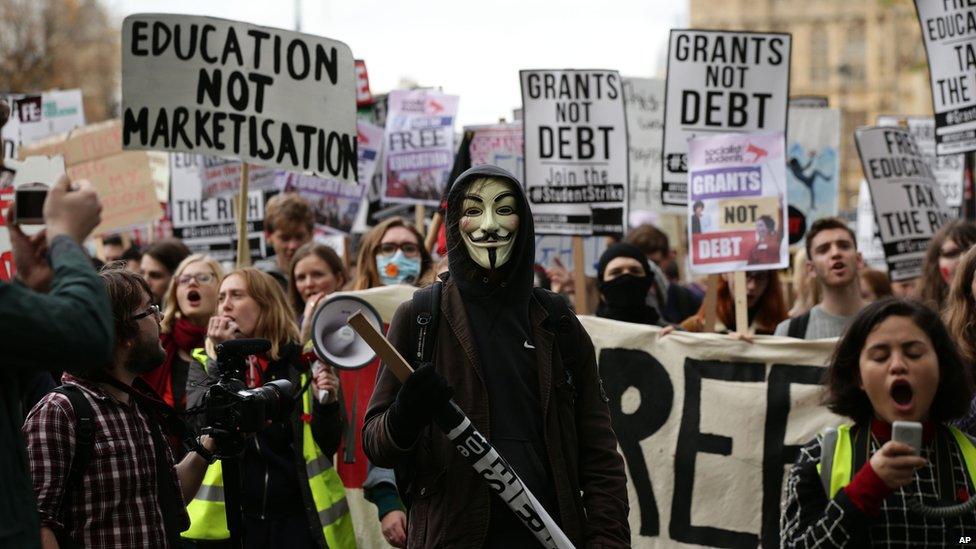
x: 840, y: 469
x: 208, y: 519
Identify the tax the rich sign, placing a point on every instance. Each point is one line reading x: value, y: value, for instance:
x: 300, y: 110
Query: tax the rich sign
x: 267, y: 96
x: 720, y: 82
x: 908, y: 205
x: 576, y: 157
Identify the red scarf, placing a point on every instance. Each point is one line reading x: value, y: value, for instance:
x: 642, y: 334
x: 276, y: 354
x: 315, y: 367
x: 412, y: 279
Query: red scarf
x: 186, y: 336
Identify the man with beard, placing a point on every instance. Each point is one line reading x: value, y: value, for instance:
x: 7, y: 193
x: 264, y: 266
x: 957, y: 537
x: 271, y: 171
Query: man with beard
x: 540, y: 403
x: 103, y: 472
x: 833, y: 258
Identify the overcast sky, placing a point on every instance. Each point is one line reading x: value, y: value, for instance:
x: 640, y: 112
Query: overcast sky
x: 471, y: 49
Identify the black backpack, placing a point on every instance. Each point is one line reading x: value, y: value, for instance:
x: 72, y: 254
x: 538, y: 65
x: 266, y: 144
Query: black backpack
x: 797, y: 328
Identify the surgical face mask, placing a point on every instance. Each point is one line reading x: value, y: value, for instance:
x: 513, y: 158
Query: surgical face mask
x: 398, y: 268
x: 489, y: 221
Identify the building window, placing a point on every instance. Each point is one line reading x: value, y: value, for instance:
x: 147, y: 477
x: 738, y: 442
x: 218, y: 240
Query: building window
x: 819, y: 56
x: 854, y: 60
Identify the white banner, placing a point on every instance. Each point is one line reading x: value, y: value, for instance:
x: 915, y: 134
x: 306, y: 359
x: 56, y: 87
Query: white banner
x: 419, y: 148
x: 213, y: 86
x: 644, y: 102
x: 576, y: 153
x: 209, y: 226
x: 908, y: 205
x: 708, y: 426
x: 720, y: 81
x: 949, y: 34
x: 812, y: 166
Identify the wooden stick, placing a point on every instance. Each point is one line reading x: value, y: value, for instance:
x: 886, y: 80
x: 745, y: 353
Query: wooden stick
x: 711, y: 302
x: 243, y: 248
x: 579, y: 276
x: 435, y: 227
x: 387, y: 352
x: 741, y: 305
x: 419, y: 213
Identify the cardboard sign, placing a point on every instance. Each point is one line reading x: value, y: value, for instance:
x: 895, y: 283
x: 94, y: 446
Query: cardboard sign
x: 908, y: 205
x: 364, y: 97
x: 209, y: 226
x: 500, y: 145
x: 644, y: 102
x: 334, y: 203
x: 949, y: 34
x: 419, y: 145
x: 576, y: 157
x: 737, y: 203
x: 370, y: 140
x: 812, y: 166
x: 708, y: 427
x: 122, y: 179
x: 222, y: 177
x: 267, y: 96
x: 37, y: 116
x: 949, y: 169
x: 720, y: 81
x: 868, y: 241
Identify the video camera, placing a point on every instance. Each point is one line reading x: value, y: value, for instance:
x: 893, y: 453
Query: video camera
x: 232, y: 411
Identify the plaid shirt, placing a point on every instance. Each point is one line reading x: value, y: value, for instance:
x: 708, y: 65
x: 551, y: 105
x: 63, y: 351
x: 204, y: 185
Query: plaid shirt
x: 116, y: 504
x: 810, y: 520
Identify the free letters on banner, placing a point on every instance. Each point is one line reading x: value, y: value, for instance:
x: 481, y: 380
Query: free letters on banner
x: 720, y: 82
x: 949, y: 34
x: 708, y: 426
x: 266, y: 96
x: 576, y: 156
x: 908, y: 205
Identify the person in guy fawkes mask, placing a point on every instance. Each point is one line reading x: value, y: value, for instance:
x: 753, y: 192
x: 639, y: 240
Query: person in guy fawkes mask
x: 539, y: 402
x: 624, y: 279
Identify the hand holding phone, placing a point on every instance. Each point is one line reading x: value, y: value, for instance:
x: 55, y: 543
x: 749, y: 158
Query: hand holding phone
x: 29, y: 204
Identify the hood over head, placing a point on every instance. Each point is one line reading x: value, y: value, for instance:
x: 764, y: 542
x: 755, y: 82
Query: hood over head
x: 513, y: 276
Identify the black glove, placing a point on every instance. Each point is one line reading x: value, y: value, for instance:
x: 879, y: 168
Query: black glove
x: 421, y: 397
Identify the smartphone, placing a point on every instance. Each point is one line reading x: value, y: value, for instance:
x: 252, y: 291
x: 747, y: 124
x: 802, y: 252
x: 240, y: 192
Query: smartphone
x: 29, y: 204
x: 908, y: 432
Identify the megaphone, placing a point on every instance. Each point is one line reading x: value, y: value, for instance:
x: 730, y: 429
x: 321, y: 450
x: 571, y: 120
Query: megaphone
x: 334, y: 342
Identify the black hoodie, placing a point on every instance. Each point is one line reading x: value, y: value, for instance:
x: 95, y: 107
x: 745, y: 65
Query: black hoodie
x: 497, y: 305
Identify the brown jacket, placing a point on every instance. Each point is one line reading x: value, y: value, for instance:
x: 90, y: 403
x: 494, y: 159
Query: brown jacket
x: 450, y: 505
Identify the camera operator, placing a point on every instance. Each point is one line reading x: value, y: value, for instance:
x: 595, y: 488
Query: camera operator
x: 54, y: 315
x: 292, y: 496
x: 103, y: 471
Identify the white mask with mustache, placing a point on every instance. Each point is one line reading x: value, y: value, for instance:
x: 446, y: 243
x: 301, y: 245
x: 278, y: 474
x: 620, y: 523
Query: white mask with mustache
x: 489, y: 221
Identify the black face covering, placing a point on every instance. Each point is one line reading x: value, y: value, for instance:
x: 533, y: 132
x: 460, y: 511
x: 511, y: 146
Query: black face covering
x: 626, y: 290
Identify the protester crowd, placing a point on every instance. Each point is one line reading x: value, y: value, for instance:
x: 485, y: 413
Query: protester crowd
x: 110, y: 360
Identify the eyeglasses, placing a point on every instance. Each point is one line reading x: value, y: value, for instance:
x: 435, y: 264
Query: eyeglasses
x: 408, y: 248
x: 152, y: 310
x: 201, y: 278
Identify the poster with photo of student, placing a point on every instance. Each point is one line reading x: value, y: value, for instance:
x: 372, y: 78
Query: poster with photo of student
x: 737, y: 203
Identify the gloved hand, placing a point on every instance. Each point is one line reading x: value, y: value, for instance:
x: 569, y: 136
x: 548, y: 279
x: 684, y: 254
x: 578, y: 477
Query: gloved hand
x: 421, y: 397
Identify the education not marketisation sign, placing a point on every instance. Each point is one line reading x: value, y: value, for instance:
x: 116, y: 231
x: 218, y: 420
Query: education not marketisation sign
x: 720, y: 82
x: 267, y: 96
x: 949, y: 34
x: 576, y: 156
x: 908, y: 205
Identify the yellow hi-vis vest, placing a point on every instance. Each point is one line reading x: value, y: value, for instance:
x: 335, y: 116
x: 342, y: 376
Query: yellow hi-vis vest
x: 840, y: 469
x: 208, y: 519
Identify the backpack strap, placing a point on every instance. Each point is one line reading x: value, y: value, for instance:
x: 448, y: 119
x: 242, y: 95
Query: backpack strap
x: 425, y: 311
x: 561, y: 323
x: 797, y: 327
x: 84, y: 436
